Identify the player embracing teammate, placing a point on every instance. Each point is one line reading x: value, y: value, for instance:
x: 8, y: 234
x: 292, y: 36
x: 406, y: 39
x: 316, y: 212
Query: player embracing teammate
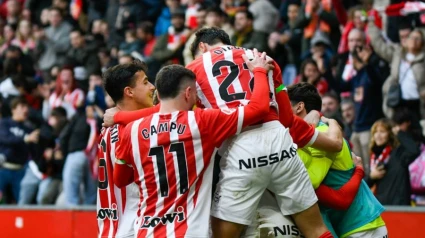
x: 168, y: 154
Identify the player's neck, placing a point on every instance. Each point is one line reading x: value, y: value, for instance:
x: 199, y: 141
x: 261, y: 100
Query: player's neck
x: 170, y: 106
x: 128, y: 105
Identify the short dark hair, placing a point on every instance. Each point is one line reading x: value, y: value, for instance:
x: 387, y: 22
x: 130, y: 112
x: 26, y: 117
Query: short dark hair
x: 79, y: 31
x: 247, y: 13
x: 170, y: 79
x: 11, y: 66
x: 333, y: 95
x: 147, y: 27
x: 120, y: 76
x: 58, y: 112
x: 215, y: 10
x: 210, y: 36
x: 402, y: 115
x: 18, y: 101
x: 57, y: 9
x: 306, y: 93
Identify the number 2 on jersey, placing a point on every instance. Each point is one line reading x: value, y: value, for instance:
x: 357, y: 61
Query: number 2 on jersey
x: 159, y: 154
x: 229, y: 79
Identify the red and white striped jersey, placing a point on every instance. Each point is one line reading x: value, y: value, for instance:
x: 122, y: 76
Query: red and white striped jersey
x: 116, y: 207
x: 224, y: 81
x: 171, y: 155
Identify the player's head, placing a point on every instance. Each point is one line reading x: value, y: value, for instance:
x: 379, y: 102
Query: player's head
x: 304, y: 98
x: 128, y: 85
x: 207, y: 38
x: 176, y: 83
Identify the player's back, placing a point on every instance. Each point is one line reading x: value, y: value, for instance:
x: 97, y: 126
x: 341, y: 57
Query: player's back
x: 172, y: 161
x: 116, y: 207
x: 224, y: 80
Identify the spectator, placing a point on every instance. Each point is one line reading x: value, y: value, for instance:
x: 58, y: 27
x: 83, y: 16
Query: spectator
x: 390, y: 158
x: 96, y: 94
x: 359, y: 21
x: 129, y: 14
x: 407, y: 69
x: 16, y: 142
x: 74, y: 140
x: 169, y: 47
x: 105, y: 59
x: 212, y: 19
x: 365, y: 86
x: 310, y: 74
x: 64, y: 6
x: 348, y: 116
x: 33, y: 9
x: 83, y: 57
x: 9, y: 32
x: 331, y: 106
x: 52, y: 43
x: 13, y: 12
x: 66, y: 94
x: 24, y: 38
x: 285, y: 47
x: 317, y: 16
x: 43, y: 176
x: 266, y: 16
x: 131, y: 44
x: 164, y: 20
x: 191, y: 14
x: 26, y: 61
x: 145, y: 33
x: 344, y: 66
x: 245, y: 35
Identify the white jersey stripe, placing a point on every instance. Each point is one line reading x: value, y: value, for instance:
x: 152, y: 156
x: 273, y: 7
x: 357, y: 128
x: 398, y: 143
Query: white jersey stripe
x: 138, y: 164
x: 197, y: 145
x: 240, y: 119
x: 213, y: 80
x: 160, y: 201
x: 202, y: 97
x: 228, y: 55
x: 174, y: 137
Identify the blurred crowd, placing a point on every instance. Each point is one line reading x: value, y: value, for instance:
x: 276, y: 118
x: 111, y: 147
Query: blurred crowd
x: 366, y: 58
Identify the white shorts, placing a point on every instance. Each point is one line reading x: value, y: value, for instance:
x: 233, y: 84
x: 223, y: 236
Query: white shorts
x: 270, y: 222
x: 261, y: 157
x: 380, y: 232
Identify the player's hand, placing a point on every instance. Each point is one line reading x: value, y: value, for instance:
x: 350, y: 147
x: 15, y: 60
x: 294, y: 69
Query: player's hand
x: 312, y: 118
x: 108, y: 117
x: 260, y: 61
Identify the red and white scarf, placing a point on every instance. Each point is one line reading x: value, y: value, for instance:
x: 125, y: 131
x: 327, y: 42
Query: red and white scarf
x: 382, y: 158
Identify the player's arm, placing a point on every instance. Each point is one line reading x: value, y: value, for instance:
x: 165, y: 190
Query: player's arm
x: 225, y: 124
x: 332, y: 140
x: 342, y: 198
x: 123, y: 171
x: 302, y: 133
x: 114, y: 116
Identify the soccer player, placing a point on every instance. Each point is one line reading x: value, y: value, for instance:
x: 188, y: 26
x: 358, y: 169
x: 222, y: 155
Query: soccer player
x: 224, y: 82
x: 130, y: 89
x: 171, y: 152
x: 354, y: 220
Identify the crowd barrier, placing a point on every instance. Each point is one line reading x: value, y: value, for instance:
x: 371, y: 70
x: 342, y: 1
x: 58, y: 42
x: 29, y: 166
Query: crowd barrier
x: 80, y: 222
